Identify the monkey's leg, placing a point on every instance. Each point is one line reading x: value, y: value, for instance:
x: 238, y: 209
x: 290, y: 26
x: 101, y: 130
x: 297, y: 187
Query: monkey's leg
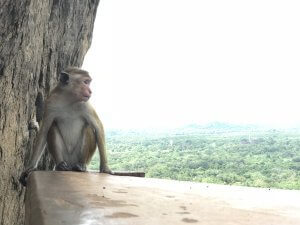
x: 86, y: 150
x: 58, y: 149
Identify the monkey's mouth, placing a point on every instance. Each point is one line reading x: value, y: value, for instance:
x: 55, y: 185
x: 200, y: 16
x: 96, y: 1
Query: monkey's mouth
x: 86, y: 97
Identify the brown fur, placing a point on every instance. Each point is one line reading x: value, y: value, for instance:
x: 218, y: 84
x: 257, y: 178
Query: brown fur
x: 70, y: 126
x: 76, y: 70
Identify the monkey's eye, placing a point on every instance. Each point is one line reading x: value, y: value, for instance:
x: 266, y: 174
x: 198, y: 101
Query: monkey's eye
x: 87, y: 81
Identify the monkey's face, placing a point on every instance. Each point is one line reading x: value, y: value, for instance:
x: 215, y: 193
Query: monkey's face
x: 84, y: 93
x: 76, y: 85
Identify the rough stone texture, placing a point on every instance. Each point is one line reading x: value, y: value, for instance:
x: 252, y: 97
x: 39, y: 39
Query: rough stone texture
x: 37, y: 40
x: 92, y: 198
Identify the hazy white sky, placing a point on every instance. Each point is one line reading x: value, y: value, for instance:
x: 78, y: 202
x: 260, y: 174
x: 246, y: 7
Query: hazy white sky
x: 170, y: 62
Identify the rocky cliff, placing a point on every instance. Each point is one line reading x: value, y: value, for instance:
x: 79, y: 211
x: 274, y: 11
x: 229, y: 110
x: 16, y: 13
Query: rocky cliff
x: 37, y: 40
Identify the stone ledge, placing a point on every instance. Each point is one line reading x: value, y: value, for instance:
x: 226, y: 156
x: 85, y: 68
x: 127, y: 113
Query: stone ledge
x: 65, y: 198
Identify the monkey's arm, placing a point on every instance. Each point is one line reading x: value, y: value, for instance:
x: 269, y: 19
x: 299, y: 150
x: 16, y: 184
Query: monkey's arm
x: 40, y: 144
x: 38, y: 149
x: 100, y: 139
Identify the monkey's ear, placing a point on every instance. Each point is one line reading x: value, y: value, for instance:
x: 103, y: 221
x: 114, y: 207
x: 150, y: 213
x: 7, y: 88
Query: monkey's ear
x: 64, y: 78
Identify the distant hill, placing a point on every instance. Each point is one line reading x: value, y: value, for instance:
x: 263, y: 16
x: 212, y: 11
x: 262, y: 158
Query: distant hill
x: 220, y: 125
x: 194, y: 128
x: 216, y: 127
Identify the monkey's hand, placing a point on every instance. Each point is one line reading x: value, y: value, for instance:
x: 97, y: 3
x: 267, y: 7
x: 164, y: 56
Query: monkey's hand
x: 33, y: 125
x: 106, y: 169
x: 24, y: 176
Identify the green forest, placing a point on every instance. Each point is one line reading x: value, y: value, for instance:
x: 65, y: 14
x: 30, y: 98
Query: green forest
x: 214, y: 153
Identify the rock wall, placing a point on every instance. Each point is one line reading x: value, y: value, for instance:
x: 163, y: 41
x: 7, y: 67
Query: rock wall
x: 38, y: 38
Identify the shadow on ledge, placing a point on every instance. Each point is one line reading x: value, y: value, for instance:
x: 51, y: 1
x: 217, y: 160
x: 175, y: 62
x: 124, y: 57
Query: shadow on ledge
x: 65, y: 198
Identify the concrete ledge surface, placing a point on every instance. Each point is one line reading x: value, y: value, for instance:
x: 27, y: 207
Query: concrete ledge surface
x: 65, y: 198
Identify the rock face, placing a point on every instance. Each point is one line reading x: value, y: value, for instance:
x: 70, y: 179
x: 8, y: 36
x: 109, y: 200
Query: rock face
x: 37, y: 40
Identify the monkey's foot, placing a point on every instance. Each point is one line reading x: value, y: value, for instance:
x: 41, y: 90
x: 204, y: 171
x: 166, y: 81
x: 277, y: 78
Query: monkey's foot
x: 106, y: 169
x: 62, y: 166
x: 79, y: 167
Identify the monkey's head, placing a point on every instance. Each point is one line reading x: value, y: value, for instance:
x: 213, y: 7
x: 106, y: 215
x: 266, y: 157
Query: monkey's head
x: 76, y: 83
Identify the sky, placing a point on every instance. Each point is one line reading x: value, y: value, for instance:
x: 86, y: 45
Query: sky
x: 167, y: 63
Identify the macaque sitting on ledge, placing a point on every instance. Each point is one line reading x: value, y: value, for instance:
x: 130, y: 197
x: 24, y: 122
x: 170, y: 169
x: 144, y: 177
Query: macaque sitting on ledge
x: 70, y: 127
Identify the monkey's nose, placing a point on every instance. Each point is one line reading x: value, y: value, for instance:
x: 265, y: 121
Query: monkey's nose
x: 89, y: 91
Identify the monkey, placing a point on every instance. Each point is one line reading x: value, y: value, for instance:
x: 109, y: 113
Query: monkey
x: 70, y: 126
